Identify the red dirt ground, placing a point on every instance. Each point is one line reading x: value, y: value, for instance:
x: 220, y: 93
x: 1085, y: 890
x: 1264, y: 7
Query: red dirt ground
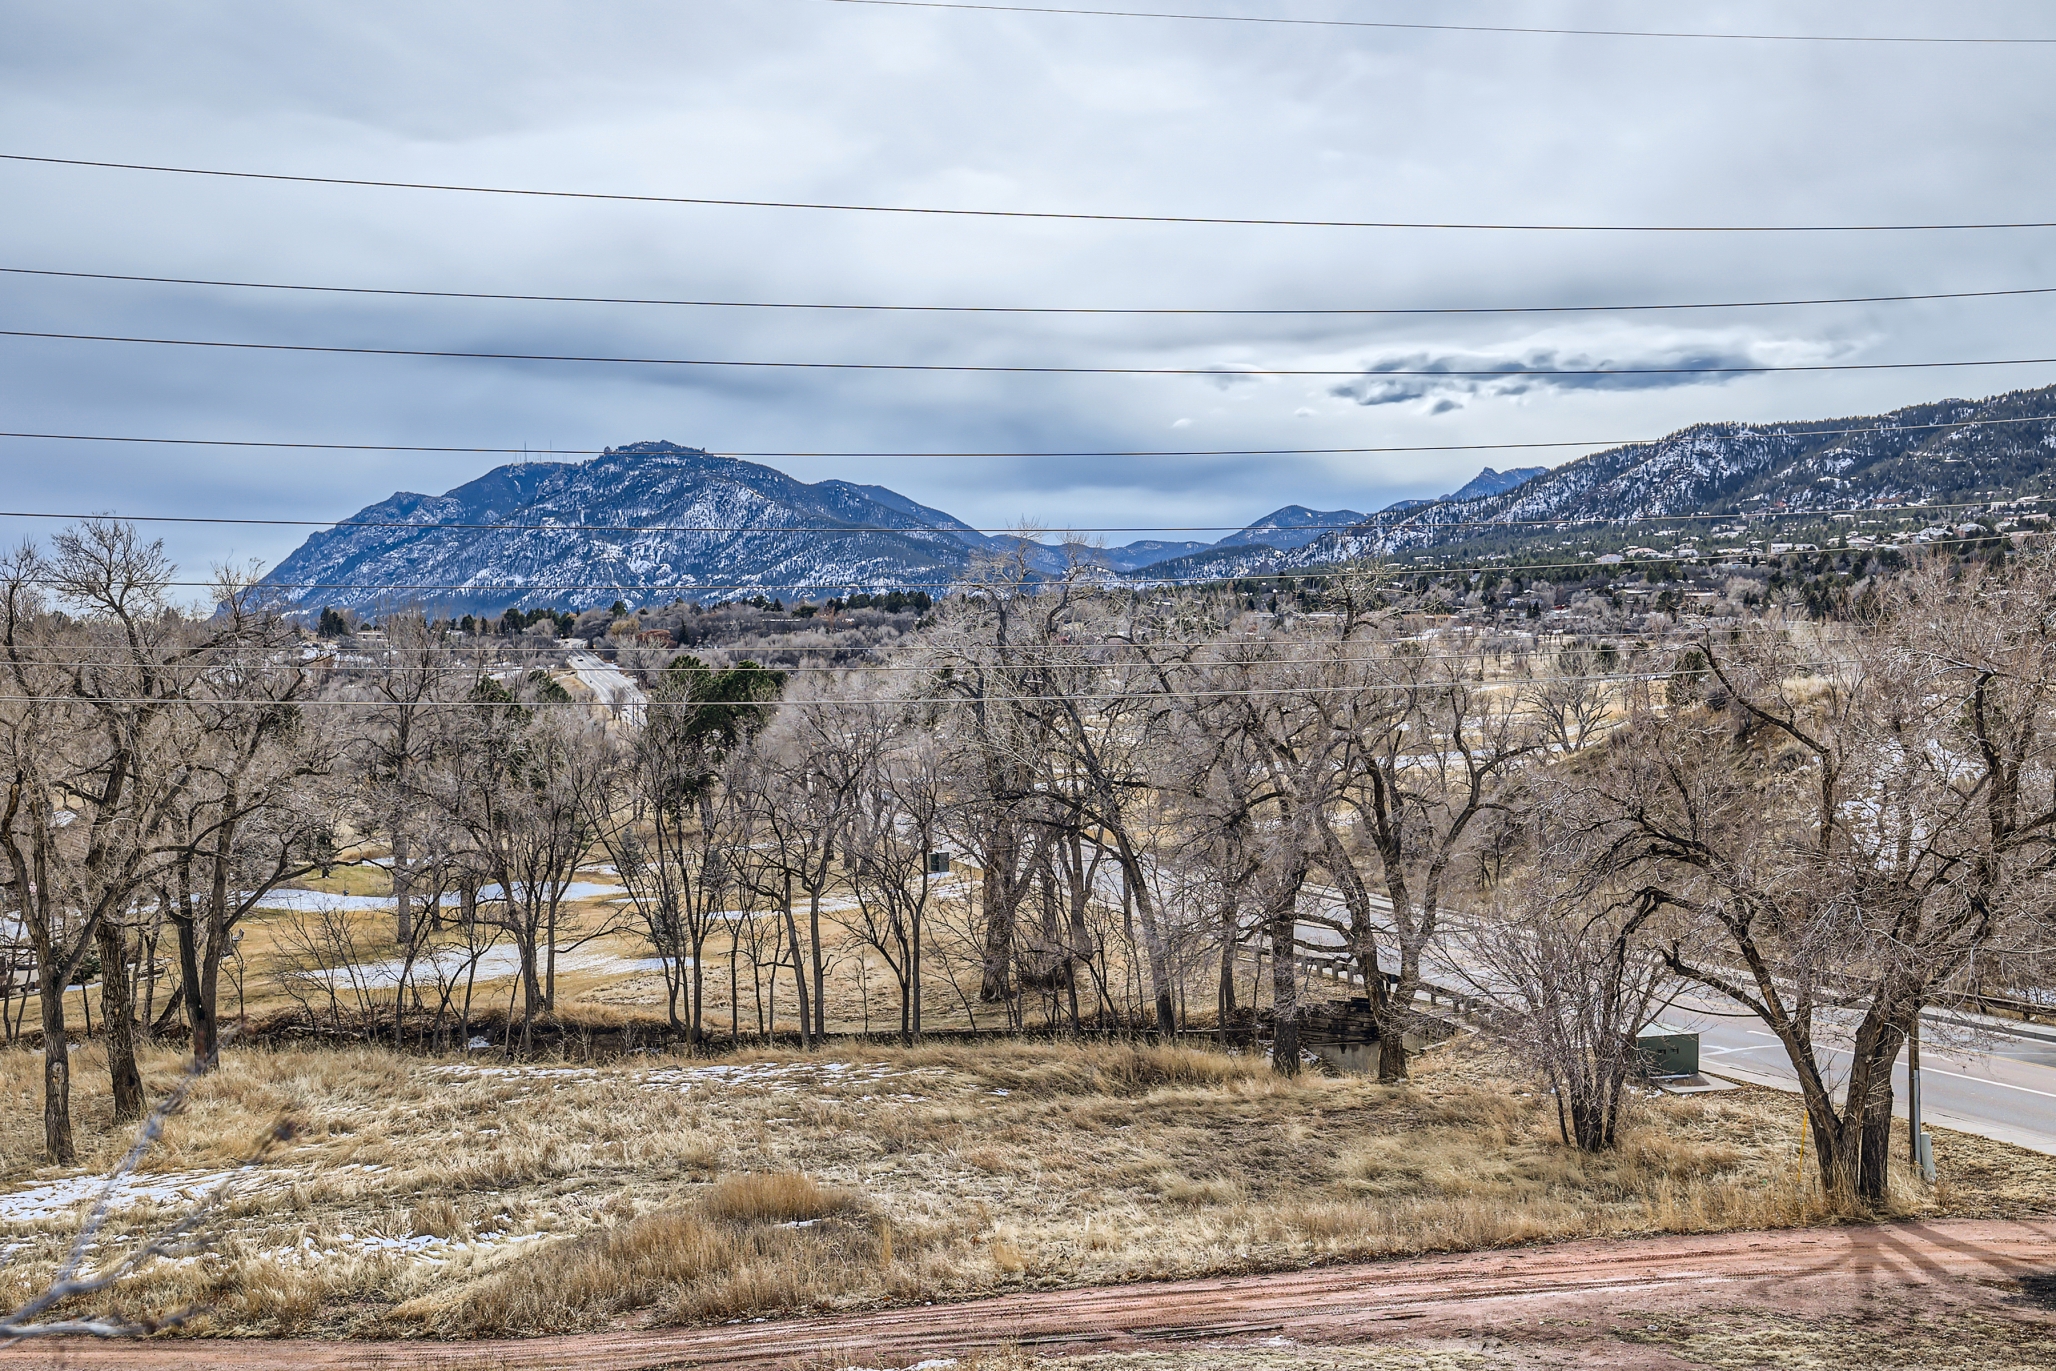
x: 1561, y: 1305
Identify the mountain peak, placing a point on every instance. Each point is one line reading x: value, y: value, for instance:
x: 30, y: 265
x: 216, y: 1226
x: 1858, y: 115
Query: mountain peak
x: 1490, y: 482
x: 644, y: 521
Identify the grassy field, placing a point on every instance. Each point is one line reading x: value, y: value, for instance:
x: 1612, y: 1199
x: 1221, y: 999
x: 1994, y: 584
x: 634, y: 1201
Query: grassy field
x: 606, y: 973
x: 458, y: 1196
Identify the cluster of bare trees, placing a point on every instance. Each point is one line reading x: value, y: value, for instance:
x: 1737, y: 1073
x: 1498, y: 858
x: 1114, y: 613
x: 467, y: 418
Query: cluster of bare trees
x: 1311, y: 790
x: 154, y: 770
x: 1070, y: 802
x: 1831, y: 825
x: 1837, y: 830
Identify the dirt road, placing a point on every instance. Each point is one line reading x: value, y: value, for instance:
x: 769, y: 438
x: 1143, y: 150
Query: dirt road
x: 1558, y: 1300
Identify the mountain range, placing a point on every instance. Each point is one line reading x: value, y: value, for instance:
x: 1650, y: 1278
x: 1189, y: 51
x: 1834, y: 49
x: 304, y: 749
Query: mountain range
x: 652, y: 521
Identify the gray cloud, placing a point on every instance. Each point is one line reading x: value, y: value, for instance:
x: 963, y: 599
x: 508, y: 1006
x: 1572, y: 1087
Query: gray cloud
x: 1450, y: 376
x: 785, y: 99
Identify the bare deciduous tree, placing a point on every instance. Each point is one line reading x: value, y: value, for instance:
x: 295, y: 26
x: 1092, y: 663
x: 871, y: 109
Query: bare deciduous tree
x: 1846, y: 820
x: 1568, y: 979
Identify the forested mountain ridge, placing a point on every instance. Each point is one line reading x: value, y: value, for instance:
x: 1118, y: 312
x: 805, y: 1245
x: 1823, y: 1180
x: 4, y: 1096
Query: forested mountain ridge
x: 1940, y: 453
x: 654, y: 520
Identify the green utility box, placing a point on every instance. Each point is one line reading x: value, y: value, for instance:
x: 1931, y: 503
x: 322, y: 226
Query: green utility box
x: 1668, y: 1051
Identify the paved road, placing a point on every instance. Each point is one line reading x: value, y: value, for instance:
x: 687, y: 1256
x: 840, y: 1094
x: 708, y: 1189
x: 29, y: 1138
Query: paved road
x: 1997, y: 1084
x: 612, y: 686
x: 1588, y: 1290
x: 1986, y: 1076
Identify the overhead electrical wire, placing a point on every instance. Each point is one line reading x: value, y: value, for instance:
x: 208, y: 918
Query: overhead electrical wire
x: 507, y: 648
x: 1055, y: 215
x: 1739, y: 430
x: 600, y: 451
x: 1141, y: 583
x: 1180, y: 311
x: 500, y: 649
x: 975, y: 6
x: 1137, y: 696
x: 962, y: 668
x: 1219, y: 372
x: 1397, y: 523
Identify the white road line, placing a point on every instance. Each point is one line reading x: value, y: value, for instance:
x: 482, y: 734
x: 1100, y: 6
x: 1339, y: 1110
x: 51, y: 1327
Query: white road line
x: 1986, y: 1080
x: 1961, y: 1076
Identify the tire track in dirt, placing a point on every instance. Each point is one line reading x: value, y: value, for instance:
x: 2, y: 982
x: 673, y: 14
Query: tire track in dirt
x: 1500, y: 1292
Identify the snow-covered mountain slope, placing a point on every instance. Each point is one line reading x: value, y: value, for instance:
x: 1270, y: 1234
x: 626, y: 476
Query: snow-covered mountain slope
x: 644, y: 523
x: 1290, y: 527
x: 1949, y: 450
x: 653, y: 521
x: 1136, y: 555
x: 1490, y: 482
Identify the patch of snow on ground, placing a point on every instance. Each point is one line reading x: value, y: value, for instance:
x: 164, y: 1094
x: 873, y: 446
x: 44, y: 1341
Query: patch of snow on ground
x: 577, y: 890
x: 423, y: 1247
x: 781, y: 1076
x: 522, y: 1072
x: 311, y: 901
x: 495, y: 963
x: 57, y: 1197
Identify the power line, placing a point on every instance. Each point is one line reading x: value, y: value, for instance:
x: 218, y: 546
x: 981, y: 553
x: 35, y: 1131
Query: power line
x: 1229, y: 372
x: 1124, y: 696
x: 488, y: 648
x: 1180, y: 311
x: 1140, y: 579
x: 1740, y: 430
x: 339, y: 660
x: 602, y: 451
x: 1403, y: 521
x: 1996, y: 41
x: 1074, y: 216
x: 1044, y: 656
x: 494, y: 648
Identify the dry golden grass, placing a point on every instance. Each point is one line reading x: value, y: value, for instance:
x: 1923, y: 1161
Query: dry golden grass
x: 739, y: 1250
x: 455, y: 1197
x: 772, y: 1197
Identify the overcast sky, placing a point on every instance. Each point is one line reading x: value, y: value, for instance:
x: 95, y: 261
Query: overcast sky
x: 808, y: 100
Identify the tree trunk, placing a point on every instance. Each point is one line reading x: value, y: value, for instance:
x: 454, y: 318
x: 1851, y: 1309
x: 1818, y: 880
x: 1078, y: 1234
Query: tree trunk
x: 403, y: 888
x: 1159, y: 954
x: 1284, y: 993
x: 118, y: 1008
x: 550, y: 981
x: 204, y: 980
x: 57, y: 1143
x: 213, y: 952
x: 1224, y: 998
x: 1392, y: 1037
x: 996, y: 983
x: 532, y: 998
x: 820, y: 973
x: 199, y: 1008
x: 734, y: 982
x: 148, y: 958
x: 1874, y: 1145
x: 699, y: 990
x: 799, y: 974
x: 914, y: 974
